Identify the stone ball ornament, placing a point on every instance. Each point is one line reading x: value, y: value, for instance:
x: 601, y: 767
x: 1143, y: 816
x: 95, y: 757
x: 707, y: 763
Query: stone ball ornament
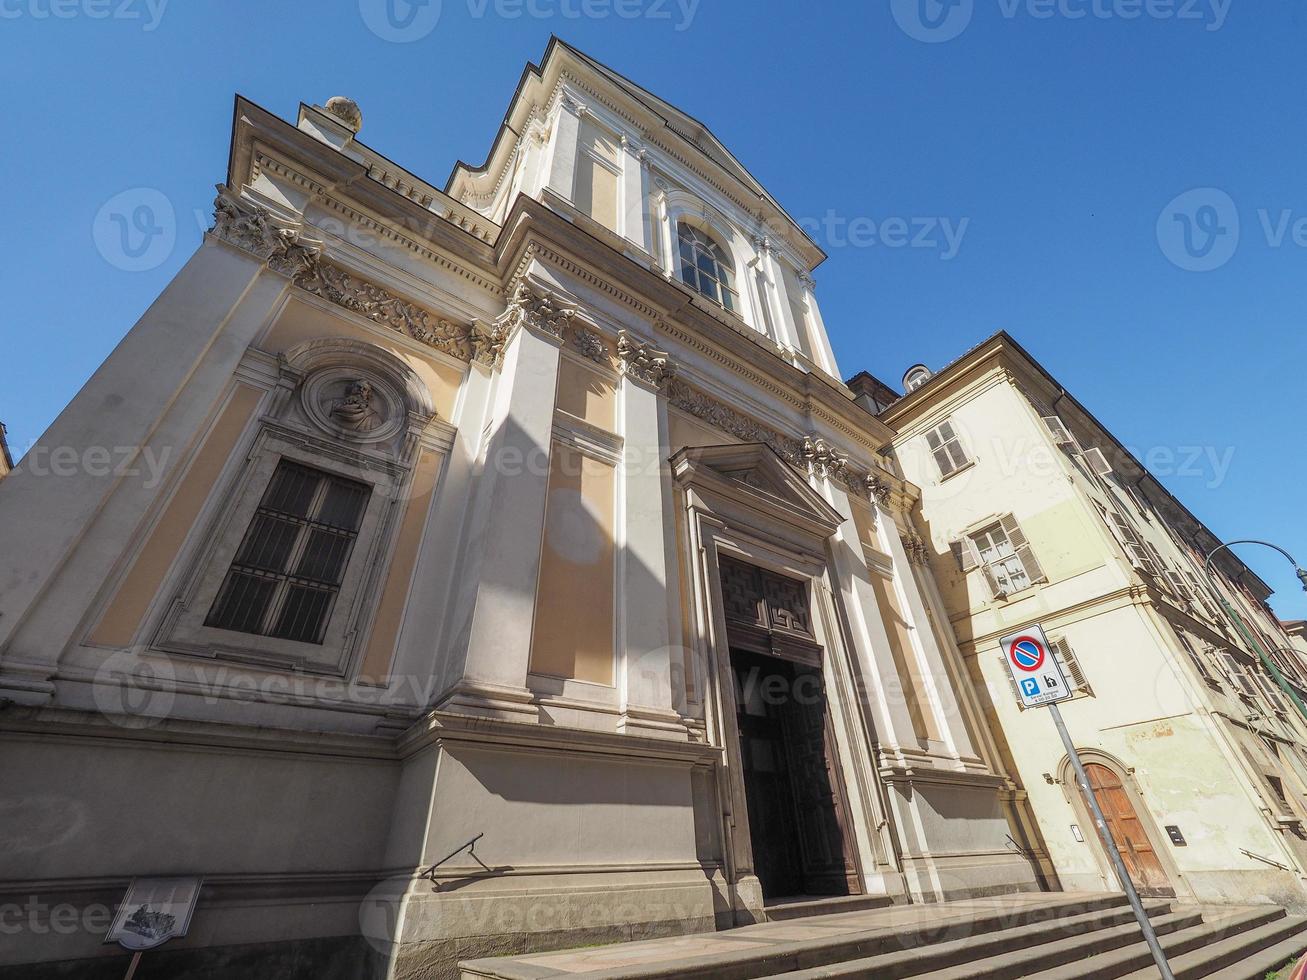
x: 347, y: 111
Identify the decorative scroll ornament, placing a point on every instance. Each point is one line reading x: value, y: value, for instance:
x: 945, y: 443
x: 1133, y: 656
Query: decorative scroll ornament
x: 590, y: 345
x: 532, y: 307
x: 824, y: 459
x: 917, y: 550
x: 253, y: 229
x: 643, y: 361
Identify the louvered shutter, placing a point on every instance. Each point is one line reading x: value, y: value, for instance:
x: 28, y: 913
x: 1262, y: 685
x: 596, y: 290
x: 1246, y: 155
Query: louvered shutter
x: 1017, y: 538
x: 1071, y: 666
x: 1273, y: 693
x: 1177, y: 583
x: 1011, y: 683
x: 964, y: 553
x: 1061, y: 435
x: 1098, y: 462
x: 1238, y: 676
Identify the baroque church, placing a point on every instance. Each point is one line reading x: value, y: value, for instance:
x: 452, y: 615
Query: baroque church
x: 520, y: 571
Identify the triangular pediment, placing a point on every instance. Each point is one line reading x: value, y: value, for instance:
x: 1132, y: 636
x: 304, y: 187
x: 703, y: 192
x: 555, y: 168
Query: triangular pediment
x: 752, y: 474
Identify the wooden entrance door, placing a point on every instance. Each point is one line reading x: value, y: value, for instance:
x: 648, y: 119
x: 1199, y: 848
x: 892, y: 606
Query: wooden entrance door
x: 797, y: 816
x: 1141, y: 860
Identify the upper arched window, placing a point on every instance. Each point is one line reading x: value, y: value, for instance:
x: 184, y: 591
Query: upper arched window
x: 705, y: 266
x: 917, y: 376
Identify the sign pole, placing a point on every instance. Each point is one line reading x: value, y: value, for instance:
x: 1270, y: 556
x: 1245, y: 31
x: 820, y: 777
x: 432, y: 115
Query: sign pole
x: 1105, y: 835
x: 131, y: 967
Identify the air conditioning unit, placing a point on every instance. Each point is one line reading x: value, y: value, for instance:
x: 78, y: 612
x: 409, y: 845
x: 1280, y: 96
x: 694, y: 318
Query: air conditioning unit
x: 1098, y: 462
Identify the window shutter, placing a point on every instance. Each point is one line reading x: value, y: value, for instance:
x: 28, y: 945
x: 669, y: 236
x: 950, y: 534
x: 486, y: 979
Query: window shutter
x: 1273, y: 693
x: 991, y: 580
x: 1059, y: 431
x: 1177, y: 583
x: 1097, y: 461
x: 1011, y: 683
x: 964, y: 552
x: 1238, y: 676
x: 1199, y: 661
x: 1067, y: 658
x: 1016, y: 537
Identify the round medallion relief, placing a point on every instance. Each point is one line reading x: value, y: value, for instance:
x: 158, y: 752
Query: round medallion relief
x: 354, y: 405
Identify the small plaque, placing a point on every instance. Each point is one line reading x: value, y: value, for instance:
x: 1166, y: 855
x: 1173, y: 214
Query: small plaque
x: 1177, y: 838
x: 153, y: 911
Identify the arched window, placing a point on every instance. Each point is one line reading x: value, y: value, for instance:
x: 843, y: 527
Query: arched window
x: 916, y: 377
x: 705, y: 266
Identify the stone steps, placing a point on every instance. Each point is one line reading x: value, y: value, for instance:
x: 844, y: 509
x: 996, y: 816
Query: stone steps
x: 802, y: 908
x: 1051, y: 936
x: 1005, y: 952
x: 1246, y: 955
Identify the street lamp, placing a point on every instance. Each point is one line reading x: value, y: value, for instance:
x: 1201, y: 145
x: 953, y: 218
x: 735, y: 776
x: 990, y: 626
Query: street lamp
x: 1248, y: 634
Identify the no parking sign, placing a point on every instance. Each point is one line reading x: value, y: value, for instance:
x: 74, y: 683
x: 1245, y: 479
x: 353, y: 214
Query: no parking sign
x: 1035, y: 671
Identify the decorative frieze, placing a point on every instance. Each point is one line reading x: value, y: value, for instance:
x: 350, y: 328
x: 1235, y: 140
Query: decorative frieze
x: 590, y: 344
x: 720, y: 415
x: 643, y: 361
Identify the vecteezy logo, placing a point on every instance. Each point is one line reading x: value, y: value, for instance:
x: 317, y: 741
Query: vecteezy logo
x: 133, y: 692
x: 1199, y: 230
x: 136, y: 230
x: 401, y: 21
x: 932, y: 21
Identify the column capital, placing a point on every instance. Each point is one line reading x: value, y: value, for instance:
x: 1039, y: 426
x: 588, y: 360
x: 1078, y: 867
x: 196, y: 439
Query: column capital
x: 643, y: 362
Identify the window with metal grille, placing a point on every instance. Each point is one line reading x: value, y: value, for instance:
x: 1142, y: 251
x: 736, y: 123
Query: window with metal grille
x: 947, y: 449
x: 286, y: 574
x: 705, y: 266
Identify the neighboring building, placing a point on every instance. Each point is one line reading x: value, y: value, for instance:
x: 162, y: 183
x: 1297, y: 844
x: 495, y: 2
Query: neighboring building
x: 1297, y: 632
x: 6, y: 460
x: 530, y: 511
x: 1034, y: 513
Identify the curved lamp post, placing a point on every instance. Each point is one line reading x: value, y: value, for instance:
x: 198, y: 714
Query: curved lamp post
x: 1262, y: 653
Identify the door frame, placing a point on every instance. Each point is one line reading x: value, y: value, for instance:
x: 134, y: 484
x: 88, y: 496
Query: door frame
x: 1160, y: 843
x: 726, y: 517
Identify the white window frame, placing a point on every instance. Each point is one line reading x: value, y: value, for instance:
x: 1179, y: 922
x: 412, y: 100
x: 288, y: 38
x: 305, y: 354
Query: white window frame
x: 997, y: 573
x: 949, y: 444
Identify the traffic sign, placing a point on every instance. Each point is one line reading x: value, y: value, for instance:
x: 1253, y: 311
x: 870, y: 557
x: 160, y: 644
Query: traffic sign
x: 1035, y: 671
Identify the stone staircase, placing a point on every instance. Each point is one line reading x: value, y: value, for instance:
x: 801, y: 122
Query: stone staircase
x: 1054, y: 936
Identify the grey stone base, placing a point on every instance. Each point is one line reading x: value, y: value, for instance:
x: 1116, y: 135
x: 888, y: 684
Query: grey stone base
x: 335, y: 958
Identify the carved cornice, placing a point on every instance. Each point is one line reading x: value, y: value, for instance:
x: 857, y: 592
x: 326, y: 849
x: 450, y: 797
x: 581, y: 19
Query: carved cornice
x: 643, y: 361
x: 253, y: 229
x: 878, y: 488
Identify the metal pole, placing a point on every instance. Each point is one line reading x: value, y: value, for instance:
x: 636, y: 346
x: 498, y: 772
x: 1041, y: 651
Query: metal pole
x: 1105, y: 835
x: 131, y: 967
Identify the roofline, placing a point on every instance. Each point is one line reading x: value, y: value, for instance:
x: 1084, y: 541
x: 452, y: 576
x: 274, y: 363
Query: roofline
x: 1003, y: 340
x: 4, y: 446
x: 538, y: 71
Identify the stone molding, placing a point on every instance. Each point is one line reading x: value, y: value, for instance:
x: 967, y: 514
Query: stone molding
x: 535, y: 308
x: 824, y: 459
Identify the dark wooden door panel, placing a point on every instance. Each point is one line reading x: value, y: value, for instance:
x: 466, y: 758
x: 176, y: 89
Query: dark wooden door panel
x: 1123, y: 822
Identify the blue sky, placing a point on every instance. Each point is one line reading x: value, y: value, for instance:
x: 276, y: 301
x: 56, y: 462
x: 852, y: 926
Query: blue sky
x: 1052, y: 138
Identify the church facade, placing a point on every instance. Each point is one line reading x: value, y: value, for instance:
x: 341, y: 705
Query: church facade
x: 516, y: 571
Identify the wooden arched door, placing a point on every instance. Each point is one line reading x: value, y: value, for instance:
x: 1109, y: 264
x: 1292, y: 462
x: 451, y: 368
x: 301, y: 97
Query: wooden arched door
x: 1127, y: 829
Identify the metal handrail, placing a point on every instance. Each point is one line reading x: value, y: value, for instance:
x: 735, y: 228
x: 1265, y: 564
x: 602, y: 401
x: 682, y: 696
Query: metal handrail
x: 469, y: 846
x: 1264, y: 860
